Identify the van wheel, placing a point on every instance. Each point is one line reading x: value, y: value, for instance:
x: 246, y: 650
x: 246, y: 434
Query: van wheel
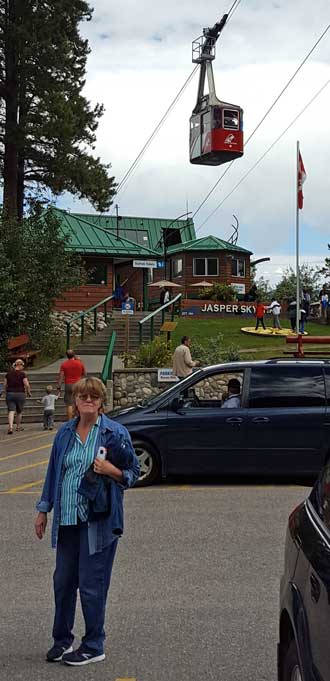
x: 149, y: 463
x: 291, y: 668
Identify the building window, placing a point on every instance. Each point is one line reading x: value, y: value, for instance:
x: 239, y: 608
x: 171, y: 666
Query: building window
x: 206, y: 267
x: 177, y: 267
x: 238, y: 267
x: 96, y: 273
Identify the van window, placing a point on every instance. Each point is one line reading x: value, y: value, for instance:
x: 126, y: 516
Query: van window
x: 287, y: 386
x: 213, y: 391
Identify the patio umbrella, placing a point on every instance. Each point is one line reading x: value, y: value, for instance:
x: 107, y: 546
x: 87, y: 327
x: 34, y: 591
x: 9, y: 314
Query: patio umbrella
x: 202, y: 284
x: 165, y: 284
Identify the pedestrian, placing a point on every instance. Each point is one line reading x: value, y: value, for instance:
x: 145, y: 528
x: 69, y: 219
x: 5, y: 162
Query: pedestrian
x: 167, y: 296
x: 71, y: 371
x: 118, y: 295
x: 49, y: 401
x: 90, y: 452
x: 275, y: 308
x: 162, y: 297
x: 260, y: 311
x: 292, y: 314
x: 324, y: 300
x: 303, y: 320
x: 16, y: 388
x: 306, y: 301
x: 183, y: 363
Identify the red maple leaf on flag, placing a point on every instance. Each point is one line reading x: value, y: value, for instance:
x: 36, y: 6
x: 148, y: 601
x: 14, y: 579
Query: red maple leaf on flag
x: 301, y: 180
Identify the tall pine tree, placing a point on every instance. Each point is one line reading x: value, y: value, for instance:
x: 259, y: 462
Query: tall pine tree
x: 47, y: 126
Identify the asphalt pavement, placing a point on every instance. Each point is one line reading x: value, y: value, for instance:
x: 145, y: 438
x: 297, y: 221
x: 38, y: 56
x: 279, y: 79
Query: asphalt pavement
x: 195, y: 586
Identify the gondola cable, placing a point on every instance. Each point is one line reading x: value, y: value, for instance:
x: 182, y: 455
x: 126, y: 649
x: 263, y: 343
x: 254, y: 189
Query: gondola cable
x: 265, y: 153
x: 133, y: 166
x: 260, y: 123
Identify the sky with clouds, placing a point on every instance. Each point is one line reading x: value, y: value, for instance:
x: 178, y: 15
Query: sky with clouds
x: 140, y: 58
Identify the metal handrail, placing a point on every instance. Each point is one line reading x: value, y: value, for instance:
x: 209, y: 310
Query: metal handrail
x: 152, y: 315
x: 81, y: 316
x: 106, y: 374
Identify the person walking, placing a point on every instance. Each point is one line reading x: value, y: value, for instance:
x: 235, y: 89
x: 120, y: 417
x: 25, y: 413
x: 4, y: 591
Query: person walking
x: 16, y: 388
x: 71, y: 371
x: 292, y: 314
x: 183, y: 363
x: 275, y: 309
x: 93, y: 453
x: 49, y: 401
x: 260, y: 311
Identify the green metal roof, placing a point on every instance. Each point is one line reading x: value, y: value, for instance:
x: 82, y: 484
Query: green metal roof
x: 86, y: 237
x: 207, y: 243
x: 134, y: 228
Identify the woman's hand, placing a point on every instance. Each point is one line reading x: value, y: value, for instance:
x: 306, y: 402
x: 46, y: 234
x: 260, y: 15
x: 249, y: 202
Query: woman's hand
x: 40, y: 524
x: 104, y: 467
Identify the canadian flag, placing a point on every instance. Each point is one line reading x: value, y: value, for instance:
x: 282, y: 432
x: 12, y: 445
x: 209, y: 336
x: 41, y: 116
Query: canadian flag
x: 301, y: 180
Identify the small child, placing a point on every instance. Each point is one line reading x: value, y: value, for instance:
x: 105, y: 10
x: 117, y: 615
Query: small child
x: 48, y: 401
x: 260, y: 311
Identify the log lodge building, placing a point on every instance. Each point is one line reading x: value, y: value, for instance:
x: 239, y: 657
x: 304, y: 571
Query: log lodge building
x: 136, y: 251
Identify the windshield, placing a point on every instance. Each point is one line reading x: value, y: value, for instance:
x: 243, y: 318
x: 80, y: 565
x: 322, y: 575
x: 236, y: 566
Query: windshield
x: 166, y: 393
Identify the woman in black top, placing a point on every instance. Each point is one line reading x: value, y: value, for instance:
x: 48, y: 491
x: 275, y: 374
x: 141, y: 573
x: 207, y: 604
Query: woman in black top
x: 16, y: 387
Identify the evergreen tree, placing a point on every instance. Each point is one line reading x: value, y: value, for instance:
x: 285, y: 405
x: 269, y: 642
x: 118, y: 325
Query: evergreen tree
x: 47, y: 126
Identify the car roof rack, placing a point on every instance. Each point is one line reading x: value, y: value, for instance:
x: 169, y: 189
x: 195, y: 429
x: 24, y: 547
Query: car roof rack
x: 298, y: 360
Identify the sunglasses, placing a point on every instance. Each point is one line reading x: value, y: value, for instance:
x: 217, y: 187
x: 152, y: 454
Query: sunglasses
x: 92, y: 396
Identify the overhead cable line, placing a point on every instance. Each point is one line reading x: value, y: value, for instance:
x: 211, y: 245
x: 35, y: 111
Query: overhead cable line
x: 265, y: 153
x: 263, y: 119
x: 130, y: 171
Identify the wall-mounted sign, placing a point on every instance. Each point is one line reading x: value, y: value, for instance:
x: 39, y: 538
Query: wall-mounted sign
x: 127, y: 307
x: 160, y: 264
x: 240, y: 288
x: 166, y: 375
x: 145, y: 263
x: 203, y: 308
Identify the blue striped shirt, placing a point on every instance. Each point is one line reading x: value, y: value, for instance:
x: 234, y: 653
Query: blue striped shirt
x: 76, y: 463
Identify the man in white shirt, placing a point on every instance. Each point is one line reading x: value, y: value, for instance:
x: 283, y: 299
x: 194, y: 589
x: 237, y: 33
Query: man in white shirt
x: 234, y: 399
x: 276, y: 310
x: 183, y: 363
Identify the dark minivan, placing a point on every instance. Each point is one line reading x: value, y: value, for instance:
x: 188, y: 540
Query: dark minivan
x: 304, y: 650
x: 280, y: 426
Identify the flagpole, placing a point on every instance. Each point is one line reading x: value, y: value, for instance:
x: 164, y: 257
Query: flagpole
x: 297, y: 245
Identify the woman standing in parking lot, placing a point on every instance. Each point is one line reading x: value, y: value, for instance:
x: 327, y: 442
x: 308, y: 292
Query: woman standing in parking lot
x: 91, y: 454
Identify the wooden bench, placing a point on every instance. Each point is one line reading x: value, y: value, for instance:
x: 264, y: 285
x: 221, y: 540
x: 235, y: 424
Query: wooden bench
x: 18, y: 349
x: 301, y: 340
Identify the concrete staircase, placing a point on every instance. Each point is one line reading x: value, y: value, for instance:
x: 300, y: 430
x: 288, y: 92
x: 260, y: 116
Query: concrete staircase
x: 33, y: 410
x: 98, y: 344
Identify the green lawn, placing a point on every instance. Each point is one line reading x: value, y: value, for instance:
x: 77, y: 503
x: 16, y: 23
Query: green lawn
x: 253, y: 347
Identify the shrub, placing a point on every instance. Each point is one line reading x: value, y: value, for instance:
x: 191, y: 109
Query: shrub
x: 223, y: 292
x: 214, y: 352
x: 157, y: 353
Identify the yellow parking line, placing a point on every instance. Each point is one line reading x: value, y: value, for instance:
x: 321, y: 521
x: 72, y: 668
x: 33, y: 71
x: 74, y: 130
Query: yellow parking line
x: 19, y: 438
x: 20, y: 488
x: 36, y: 491
x: 126, y: 678
x: 26, y: 451
x: 24, y: 468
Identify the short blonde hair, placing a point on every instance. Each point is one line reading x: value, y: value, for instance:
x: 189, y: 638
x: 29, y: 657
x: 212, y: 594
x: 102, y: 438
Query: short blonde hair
x: 89, y: 386
x: 19, y: 361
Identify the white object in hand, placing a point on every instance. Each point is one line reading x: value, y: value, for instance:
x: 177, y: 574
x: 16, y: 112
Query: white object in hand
x: 101, y: 453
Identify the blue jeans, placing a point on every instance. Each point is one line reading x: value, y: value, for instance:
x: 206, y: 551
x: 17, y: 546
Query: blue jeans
x: 76, y: 569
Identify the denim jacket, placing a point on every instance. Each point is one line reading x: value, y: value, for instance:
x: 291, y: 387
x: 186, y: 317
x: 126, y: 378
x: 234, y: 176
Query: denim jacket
x: 115, y: 438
